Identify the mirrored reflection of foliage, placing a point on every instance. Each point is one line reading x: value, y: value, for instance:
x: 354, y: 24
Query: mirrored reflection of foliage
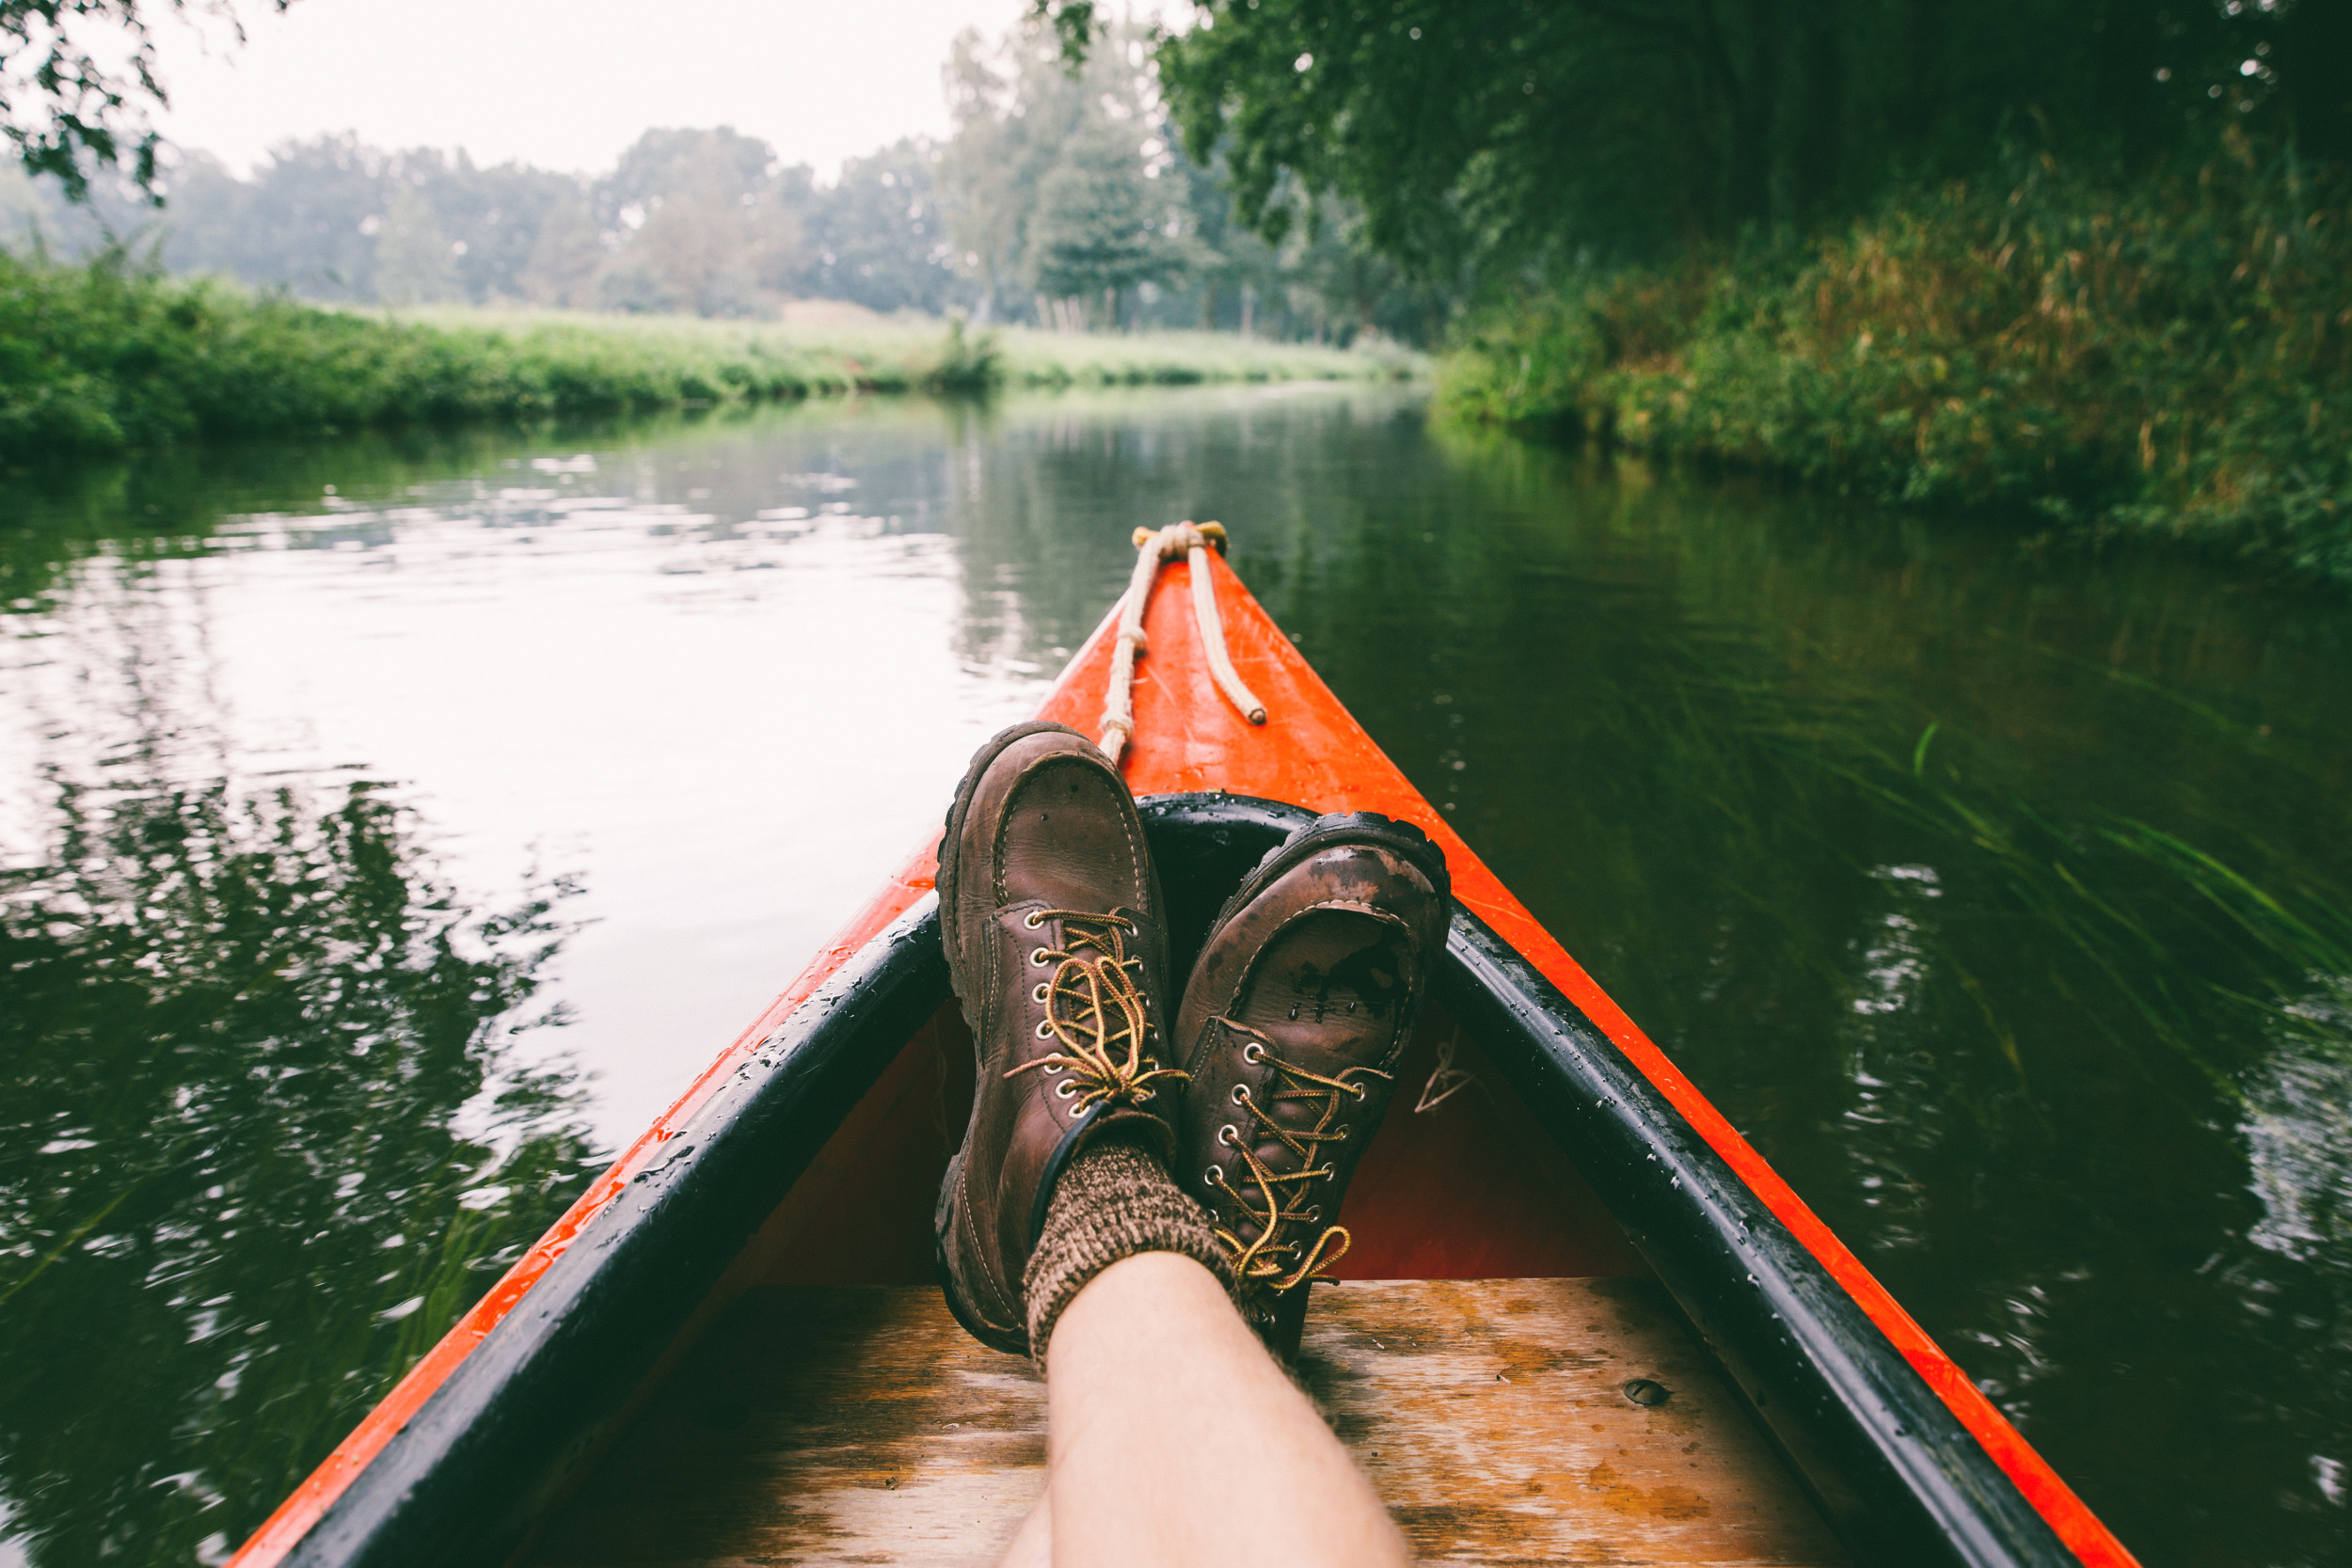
x: 2001, y: 899
x: 166, y: 503
x: 258, y: 1149
x: 1046, y: 494
x: 1994, y: 896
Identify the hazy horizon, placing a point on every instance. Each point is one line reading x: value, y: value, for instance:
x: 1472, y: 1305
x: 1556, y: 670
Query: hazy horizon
x: 566, y: 88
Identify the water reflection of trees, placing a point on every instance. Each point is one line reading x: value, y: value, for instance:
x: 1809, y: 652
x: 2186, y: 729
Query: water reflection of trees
x: 2062, y: 1093
x: 2036, y: 1007
x: 168, y: 503
x: 1045, y: 494
x: 2032, y: 1005
x: 260, y: 1147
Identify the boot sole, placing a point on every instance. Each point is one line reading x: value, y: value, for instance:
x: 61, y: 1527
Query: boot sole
x: 943, y: 1215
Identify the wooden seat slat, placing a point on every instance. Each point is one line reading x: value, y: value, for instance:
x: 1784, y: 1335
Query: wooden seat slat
x: 840, y: 1424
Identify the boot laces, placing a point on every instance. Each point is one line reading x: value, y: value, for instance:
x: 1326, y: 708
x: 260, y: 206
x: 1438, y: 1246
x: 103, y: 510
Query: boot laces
x: 1272, y: 1262
x: 1095, y: 1011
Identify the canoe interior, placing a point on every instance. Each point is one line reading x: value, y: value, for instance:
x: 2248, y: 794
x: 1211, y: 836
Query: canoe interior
x: 1460, y: 1182
x: 810, y: 1165
x: 805, y: 1158
x: 1492, y: 1415
x: 824, y: 1407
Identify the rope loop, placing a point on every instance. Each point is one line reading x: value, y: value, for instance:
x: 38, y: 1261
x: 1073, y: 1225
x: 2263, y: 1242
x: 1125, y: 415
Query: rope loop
x: 1193, y: 540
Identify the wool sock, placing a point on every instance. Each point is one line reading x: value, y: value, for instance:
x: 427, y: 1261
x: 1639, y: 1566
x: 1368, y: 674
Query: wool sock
x: 1113, y: 1201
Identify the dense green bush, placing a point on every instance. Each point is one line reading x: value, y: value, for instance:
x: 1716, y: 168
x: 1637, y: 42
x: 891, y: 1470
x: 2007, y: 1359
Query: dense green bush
x: 2171, y: 355
x: 107, y: 356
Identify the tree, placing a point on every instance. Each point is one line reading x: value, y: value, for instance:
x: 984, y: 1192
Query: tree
x: 66, y: 106
x: 1510, y: 134
x: 412, y: 256
x: 1097, y: 231
x: 566, y: 254
x: 879, y: 236
x: 1057, y: 180
x: 704, y: 225
x: 1013, y: 111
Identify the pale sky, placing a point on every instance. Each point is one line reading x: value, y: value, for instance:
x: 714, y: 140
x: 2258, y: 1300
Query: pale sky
x: 567, y: 84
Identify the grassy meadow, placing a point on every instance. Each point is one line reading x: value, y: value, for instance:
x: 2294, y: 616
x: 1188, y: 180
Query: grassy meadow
x: 104, y: 356
x: 2171, y: 356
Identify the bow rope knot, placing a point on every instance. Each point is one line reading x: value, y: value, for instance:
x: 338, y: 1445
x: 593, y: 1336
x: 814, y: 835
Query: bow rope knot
x: 1269, y: 1260
x: 1095, y: 1011
x: 1152, y: 547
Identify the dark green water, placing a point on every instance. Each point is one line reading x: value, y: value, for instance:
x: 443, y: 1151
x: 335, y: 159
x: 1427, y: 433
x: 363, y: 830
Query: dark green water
x: 371, y: 864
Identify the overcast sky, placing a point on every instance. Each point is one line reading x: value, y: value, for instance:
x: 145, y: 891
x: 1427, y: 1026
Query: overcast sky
x: 567, y: 84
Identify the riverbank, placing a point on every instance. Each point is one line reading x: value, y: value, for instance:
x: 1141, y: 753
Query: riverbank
x: 103, y: 358
x: 2171, y: 356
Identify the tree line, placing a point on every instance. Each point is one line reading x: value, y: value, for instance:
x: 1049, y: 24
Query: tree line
x: 1288, y: 167
x: 1495, y: 138
x: 1060, y: 197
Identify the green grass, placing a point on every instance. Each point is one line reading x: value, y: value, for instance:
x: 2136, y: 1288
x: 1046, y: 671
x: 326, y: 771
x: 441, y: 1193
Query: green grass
x: 2168, y: 356
x: 104, y: 356
x: 894, y: 355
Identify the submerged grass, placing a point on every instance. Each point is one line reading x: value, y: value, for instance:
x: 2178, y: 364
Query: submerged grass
x: 2168, y: 356
x: 105, y: 357
x: 2133, y: 932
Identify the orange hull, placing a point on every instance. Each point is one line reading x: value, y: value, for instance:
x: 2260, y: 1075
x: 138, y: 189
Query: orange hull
x: 1311, y: 753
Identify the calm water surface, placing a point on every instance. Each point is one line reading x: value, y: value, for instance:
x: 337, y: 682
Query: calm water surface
x: 388, y: 831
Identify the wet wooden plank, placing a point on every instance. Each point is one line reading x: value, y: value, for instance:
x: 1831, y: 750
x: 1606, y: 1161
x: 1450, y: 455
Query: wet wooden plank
x: 859, y: 1425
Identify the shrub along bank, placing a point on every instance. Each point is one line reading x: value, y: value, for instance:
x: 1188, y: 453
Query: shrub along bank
x: 105, y: 356
x: 2171, y: 355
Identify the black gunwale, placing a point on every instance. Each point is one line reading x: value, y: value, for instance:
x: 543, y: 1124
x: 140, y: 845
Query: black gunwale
x: 1897, y: 1475
x: 467, y: 1476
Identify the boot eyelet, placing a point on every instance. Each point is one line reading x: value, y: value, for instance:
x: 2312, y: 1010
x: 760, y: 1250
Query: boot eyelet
x: 1043, y: 991
x: 1241, y: 1094
x: 1313, y: 1215
x: 1063, y: 1091
x: 1358, y: 1090
x: 1254, y: 1052
x: 1033, y: 919
x: 1214, y: 1175
x: 1340, y: 1136
x: 1037, y: 955
x: 1229, y: 1136
x: 1045, y: 1028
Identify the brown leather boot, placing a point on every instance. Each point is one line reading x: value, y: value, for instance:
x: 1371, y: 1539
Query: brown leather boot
x: 1051, y: 915
x: 1291, y: 1025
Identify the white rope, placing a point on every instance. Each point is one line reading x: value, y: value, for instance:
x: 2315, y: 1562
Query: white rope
x: 1153, y: 546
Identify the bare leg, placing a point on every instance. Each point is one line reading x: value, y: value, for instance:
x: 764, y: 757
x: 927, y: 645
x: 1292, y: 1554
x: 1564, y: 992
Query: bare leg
x: 1174, y: 1439
x: 1033, y: 1543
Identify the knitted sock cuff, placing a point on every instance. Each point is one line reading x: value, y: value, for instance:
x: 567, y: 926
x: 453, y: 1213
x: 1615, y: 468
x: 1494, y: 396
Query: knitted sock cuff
x: 1113, y: 1201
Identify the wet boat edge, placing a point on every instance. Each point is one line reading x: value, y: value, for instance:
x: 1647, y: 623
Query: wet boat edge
x: 1565, y: 1047
x: 1895, y: 1472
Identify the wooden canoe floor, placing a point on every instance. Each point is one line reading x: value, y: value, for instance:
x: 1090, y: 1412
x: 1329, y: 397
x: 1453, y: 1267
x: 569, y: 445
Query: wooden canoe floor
x: 858, y: 1424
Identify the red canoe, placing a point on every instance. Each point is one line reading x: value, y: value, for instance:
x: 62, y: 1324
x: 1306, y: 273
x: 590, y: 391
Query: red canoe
x: 1582, y: 1317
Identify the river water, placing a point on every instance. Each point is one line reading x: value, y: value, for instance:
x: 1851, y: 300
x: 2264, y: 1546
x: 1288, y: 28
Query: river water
x: 389, y: 828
